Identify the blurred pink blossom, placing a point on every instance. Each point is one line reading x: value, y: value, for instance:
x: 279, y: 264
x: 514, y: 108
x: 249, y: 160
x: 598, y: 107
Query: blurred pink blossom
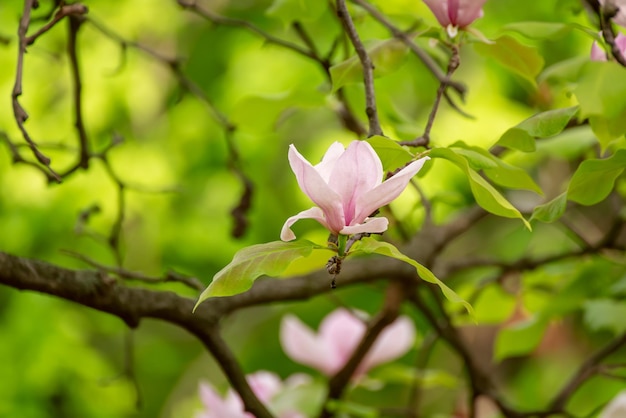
x: 265, y: 386
x: 598, y: 54
x: 454, y: 14
x: 616, y: 408
x: 338, y: 336
x: 620, y: 18
x: 347, y: 187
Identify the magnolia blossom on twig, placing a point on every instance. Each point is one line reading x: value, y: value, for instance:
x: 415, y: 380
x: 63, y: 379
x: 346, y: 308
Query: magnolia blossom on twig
x: 598, y: 53
x: 347, y: 187
x: 265, y: 386
x: 339, y: 334
x: 620, y: 17
x: 455, y: 14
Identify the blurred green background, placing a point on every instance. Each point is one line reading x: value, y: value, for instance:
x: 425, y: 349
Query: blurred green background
x: 63, y: 360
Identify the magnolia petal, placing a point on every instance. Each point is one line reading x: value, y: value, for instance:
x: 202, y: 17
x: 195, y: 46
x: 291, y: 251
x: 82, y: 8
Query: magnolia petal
x: 468, y: 11
x: 314, y: 186
x: 356, y: 172
x: 371, y: 225
x: 392, y: 343
x: 303, y: 346
x: 326, y: 166
x: 458, y: 13
x: 440, y: 10
x: 264, y: 384
x: 387, y: 191
x: 342, y: 331
x: 286, y: 234
x: 597, y: 53
x: 218, y: 407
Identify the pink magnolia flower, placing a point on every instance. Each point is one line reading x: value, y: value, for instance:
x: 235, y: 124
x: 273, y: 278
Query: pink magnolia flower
x: 339, y: 334
x: 265, y: 386
x: 598, y: 54
x: 454, y: 14
x: 616, y: 408
x: 620, y: 17
x: 347, y: 187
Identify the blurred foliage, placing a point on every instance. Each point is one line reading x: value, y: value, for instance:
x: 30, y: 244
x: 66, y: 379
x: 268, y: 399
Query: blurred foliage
x: 61, y: 359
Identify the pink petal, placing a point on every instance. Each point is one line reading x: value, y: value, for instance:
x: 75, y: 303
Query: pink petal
x: 597, y: 53
x: 342, y: 332
x: 393, y: 342
x: 372, y: 225
x: 312, y: 183
x: 326, y: 166
x: 303, y: 346
x: 356, y: 172
x: 440, y: 10
x: 456, y: 12
x: 387, y: 191
x: 264, y: 384
x: 620, y: 41
x: 468, y: 11
x: 286, y: 234
x: 216, y: 407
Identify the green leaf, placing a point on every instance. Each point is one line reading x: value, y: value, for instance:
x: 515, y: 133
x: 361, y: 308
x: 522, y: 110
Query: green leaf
x: 608, y: 130
x: 601, y: 90
x: 564, y: 71
x: 485, y: 194
x: 594, y: 179
x: 606, y: 314
x: 351, y: 409
x: 391, y: 154
x: 542, y: 125
x: 519, y: 339
x: 371, y: 246
x: 291, y: 10
x: 539, y: 30
x: 387, y: 56
x: 498, y: 171
x: 522, y: 60
x: 252, y: 262
x: 547, y: 30
x: 552, y: 210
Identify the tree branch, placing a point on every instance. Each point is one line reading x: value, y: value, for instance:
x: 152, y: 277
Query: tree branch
x: 366, y: 64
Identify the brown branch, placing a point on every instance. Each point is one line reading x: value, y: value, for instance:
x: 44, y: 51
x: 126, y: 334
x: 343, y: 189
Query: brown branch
x: 84, y: 156
x: 606, y: 14
x: 19, y: 112
x: 587, y: 369
x: 366, y: 64
x: 75, y: 9
x: 424, y: 139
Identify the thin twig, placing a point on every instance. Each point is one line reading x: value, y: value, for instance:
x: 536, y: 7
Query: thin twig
x: 19, y: 112
x: 423, y: 56
x: 424, y: 139
x: 171, y: 276
x: 85, y: 155
x: 366, y: 64
x: 228, y: 21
